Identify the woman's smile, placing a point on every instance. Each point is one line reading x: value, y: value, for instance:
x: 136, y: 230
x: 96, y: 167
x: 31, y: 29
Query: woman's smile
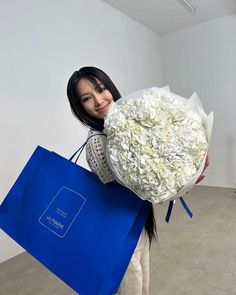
x: 103, y: 109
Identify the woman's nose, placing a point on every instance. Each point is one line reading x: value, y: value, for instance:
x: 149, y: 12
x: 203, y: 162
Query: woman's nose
x: 98, y: 99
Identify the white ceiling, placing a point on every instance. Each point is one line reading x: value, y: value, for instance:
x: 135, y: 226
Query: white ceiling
x: 166, y: 16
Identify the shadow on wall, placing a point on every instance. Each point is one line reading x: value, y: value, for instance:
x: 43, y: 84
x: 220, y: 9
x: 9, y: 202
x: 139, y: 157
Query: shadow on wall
x: 231, y: 159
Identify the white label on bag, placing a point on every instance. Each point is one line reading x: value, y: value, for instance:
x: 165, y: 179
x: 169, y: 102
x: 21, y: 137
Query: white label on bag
x: 62, y: 211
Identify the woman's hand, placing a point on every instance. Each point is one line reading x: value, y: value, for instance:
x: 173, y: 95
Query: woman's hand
x: 202, y: 176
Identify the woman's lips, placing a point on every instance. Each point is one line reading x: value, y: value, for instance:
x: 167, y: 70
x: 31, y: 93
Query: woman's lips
x: 103, y: 109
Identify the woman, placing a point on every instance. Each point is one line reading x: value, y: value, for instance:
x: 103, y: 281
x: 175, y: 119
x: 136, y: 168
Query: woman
x: 91, y: 92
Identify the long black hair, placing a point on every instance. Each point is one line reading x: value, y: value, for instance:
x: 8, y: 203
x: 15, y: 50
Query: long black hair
x: 94, y: 75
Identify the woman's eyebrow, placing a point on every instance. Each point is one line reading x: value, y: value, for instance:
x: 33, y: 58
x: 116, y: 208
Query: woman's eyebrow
x: 84, y: 94
x: 99, y: 83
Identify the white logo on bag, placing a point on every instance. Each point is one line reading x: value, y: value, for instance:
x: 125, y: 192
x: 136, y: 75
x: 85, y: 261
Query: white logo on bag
x: 62, y: 213
x: 54, y: 222
x: 57, y: 213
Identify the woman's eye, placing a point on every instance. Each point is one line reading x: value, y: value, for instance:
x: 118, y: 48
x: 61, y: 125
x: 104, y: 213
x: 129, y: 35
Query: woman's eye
x: 84, y: 99
x: 102, y: 88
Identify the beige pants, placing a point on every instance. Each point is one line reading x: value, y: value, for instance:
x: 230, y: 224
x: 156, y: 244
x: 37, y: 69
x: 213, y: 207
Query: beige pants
x: 136, y: 279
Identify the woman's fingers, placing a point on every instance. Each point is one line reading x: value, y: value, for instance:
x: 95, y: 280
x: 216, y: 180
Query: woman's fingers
x: 206, y: 163
x: 200, y: 178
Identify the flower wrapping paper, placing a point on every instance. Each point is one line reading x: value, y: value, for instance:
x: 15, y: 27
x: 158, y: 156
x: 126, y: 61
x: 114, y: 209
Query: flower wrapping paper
x: 157, y: 142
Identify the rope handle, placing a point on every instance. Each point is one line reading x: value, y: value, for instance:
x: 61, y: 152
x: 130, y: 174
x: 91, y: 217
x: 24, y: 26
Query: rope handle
x: 81, y: 148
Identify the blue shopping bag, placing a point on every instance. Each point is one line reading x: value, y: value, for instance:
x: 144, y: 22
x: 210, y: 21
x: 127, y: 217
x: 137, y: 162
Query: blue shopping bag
x: 85, y: 232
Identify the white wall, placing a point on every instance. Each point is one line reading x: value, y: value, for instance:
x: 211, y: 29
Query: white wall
x: 202, y: 58
x: 42, y: 44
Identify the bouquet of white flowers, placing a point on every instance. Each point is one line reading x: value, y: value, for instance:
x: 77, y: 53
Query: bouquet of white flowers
x: 157, y: 142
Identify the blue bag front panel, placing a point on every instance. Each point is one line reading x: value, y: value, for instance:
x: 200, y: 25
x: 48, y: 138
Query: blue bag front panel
x: 72, y: 223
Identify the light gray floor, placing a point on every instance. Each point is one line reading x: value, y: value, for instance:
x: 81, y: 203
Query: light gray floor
x: 192, y: 257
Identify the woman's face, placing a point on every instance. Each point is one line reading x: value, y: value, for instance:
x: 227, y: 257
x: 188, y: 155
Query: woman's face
x: 95, y: 102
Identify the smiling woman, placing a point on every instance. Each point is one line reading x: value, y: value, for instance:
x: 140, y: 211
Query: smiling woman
x: 91, y: 92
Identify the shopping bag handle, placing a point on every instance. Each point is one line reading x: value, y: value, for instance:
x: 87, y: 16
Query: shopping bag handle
x: 81, y: 148
x: 170, y: 207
